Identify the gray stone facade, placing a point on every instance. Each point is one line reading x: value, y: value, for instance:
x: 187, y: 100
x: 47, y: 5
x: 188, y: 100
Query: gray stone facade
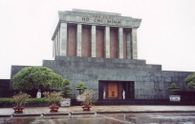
x: 149, y: 80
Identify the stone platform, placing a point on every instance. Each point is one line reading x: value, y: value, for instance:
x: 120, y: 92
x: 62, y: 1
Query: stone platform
x: 77, y: 110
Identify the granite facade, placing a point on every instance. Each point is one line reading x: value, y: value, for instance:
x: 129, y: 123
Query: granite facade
x: 150, y: 82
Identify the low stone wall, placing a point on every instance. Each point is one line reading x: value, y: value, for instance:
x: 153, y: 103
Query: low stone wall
x: 4, y: 87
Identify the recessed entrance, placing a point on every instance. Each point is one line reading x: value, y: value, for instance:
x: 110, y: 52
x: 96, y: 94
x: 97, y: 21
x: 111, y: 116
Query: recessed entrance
x: 116, y: 90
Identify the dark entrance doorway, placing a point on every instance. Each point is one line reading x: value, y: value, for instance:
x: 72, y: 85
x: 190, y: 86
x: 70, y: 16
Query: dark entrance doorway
x: 116, y: 90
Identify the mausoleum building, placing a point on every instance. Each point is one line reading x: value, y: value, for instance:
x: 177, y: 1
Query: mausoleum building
x: 100, y: 49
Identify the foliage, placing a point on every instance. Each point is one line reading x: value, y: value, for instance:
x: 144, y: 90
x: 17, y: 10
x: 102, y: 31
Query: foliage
x: 81, y: 86
x: 30, y: 78
x: 88, y: 97
x: 53, y: 97
x: 173, y: 87
x: 190, y: 80
x: 66, y: 91
x: 7, y: 102
x: 36, y: 101
x: 20, y: 98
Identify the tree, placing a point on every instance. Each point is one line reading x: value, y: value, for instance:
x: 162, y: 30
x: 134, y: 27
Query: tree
x: 31, y: 78
x: 81, y: 86
x: 190, y: 80
x: 66, y: 91
x: 173, y: 87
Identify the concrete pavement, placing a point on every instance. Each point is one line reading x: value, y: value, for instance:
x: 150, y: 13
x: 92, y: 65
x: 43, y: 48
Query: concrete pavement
x: 38, y: 111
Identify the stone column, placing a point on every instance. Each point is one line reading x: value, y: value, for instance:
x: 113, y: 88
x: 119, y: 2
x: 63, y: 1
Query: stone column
x: 134, y: 43
x: 54, y: 53
x: 63, y: 39
x: 93, y: 41
x: 79, y: 40
x: 58, y: 42
x: 107, y: 42
x: 55, y: 45
x: 121, y: 49
x: 129, y: 45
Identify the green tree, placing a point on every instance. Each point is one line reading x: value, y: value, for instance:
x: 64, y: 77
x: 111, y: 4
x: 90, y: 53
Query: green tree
x: 190, y: 80
x: 66, y: 91
x: 81, y: 86
x: 31, y: 78
x: 173, y: 87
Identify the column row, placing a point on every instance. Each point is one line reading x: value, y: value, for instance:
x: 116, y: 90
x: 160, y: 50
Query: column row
x: 126, y: 45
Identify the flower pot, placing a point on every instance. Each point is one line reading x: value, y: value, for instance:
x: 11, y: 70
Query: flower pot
x: 65, y: 102
x: 18, y: 109
x: 86, y: 107
x: 54, y: 108
x: 174, y: 98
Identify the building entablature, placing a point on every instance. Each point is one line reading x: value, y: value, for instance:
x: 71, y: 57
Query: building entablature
x: 99, y: 34
x: 98, y: 18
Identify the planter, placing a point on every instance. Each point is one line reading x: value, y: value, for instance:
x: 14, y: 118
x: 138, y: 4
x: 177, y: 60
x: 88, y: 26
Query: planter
x: 65, y: 102
x: 86, y: 107
x: 18, y: 109
x: 54, y: 108
x: 174, y: 98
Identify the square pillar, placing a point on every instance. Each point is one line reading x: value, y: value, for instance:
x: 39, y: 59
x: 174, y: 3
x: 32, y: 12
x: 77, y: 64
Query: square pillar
x: 134, y: 43
x: 58, y: 42
x: 129, y: 44
x: 79, y: 40
x: 53, y: 45
x: 107, y: 42
x: 93, y: 41
x: 120, y: 38
x: 63, y: 39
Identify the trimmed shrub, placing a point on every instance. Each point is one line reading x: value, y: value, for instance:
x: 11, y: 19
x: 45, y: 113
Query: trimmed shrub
x: 33, y: 102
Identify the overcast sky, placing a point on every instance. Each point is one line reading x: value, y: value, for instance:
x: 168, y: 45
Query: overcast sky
x: 166, y: 35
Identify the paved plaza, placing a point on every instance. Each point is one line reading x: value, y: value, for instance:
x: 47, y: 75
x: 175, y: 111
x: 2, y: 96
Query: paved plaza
x: 104, y: 109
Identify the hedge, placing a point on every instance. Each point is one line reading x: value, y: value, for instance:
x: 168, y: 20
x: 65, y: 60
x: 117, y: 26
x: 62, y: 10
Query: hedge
x: 9, y: 102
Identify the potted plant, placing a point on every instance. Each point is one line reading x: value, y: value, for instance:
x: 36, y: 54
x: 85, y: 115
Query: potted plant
x: 66, y: 93
x: 20, y: 99
x: 87, y: 99
x: 81, y: 86
x: 54, y: 99
x: 173, y: 96
x: 173, y: 88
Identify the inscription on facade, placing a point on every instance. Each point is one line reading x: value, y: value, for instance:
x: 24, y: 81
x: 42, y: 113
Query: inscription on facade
x: 95, y: 18
x: 101, y: 20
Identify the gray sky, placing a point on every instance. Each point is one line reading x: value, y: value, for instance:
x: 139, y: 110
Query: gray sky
x: 166, y: 35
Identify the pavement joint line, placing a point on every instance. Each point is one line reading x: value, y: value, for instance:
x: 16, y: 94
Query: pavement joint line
x: 8, y: 115
x: 25, y: 115
x: 55, y: 114
x: 49, y: 114
x: 83, y: 113
x: 110, y: 112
